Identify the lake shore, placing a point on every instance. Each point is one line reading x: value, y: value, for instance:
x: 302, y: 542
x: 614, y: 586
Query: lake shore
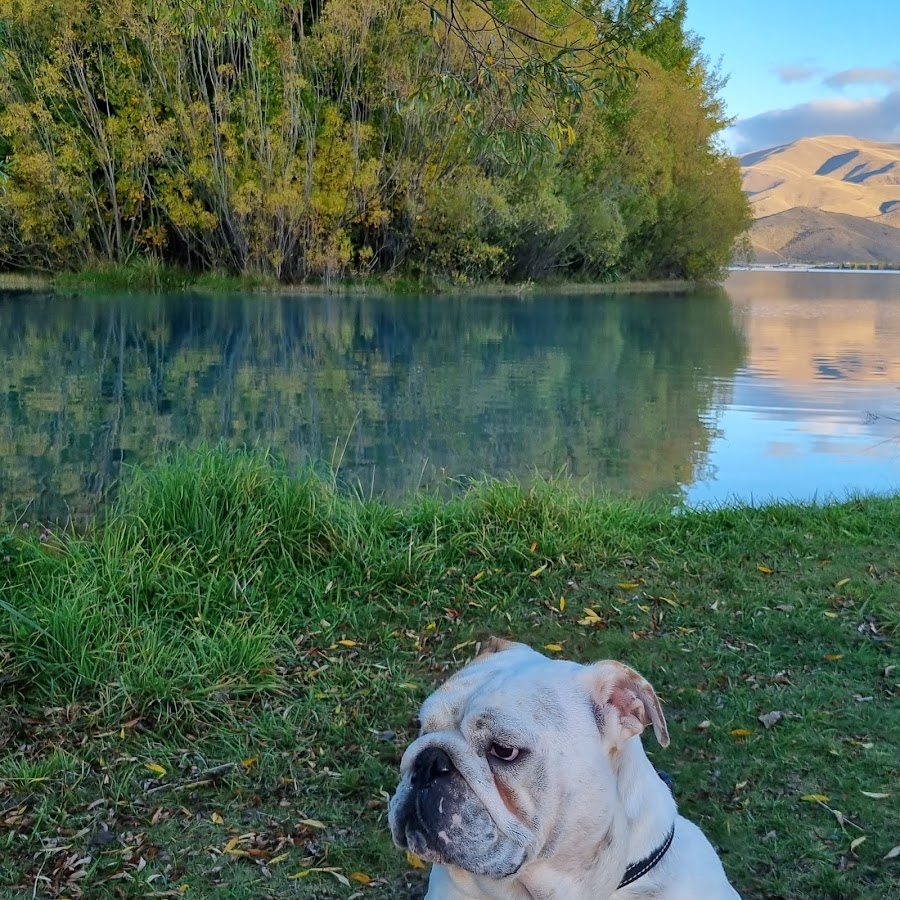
x: 213, y: 689
x: 117, y: 279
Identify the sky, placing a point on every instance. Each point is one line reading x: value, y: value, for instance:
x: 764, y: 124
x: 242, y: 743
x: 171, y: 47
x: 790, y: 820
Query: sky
x: 802, y: 68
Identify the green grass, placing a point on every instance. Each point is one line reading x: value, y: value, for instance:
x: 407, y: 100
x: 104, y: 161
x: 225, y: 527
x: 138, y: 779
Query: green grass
x: 150, y: 274
x: 224, y: 674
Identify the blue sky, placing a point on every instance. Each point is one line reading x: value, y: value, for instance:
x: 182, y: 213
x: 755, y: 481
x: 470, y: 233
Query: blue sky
x: 801, y: 68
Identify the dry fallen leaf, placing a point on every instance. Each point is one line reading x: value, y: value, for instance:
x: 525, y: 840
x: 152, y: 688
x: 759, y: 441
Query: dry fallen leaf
x: 771, y: 719
x: 815, y: 798
x: 590, y: 617
x: 361, y: 877
x: 629, y: 585
x: 833, y: 657
x: 562, y: 604
x: 533, y: 546
x: 740, y: 732
x: 553, y: 648
x: 856, y: 842
x: 893, y: 853
x: 702, y: 726
x: 312, y: 823
x: 842, y: 582
x: 875, y: 795
x: 538, y: 570
x: 346, y: 643
x: 156, y: 768
x: 766, y: 570
x: 216, y: 819
x: 413, y: 861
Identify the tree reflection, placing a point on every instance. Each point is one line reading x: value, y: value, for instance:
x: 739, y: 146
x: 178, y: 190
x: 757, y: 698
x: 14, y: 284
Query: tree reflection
x: 401, y: 392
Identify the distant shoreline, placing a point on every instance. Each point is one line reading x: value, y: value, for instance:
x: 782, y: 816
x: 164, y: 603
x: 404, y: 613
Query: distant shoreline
x: 802, y: 267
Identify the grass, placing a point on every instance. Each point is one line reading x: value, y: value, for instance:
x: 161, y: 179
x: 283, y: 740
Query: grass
x: 208, y: 694
x: 150, y: 274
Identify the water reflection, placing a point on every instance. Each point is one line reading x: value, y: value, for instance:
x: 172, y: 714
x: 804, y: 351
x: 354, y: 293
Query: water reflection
x: 400, y: 392
x: 814, y: 404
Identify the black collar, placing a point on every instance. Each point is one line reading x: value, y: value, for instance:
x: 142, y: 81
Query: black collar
x: 636, y: 870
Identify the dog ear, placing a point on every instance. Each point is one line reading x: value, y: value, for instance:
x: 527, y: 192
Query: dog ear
x: 625, y: 701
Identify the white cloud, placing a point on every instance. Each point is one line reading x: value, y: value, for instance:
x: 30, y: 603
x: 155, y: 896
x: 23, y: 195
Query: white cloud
x: 875, y: 118
x: 790, y: 73
x: 889, y: 77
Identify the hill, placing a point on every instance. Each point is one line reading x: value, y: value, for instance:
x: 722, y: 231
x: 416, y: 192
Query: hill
x: 812, y: 236
x: 825, y: 199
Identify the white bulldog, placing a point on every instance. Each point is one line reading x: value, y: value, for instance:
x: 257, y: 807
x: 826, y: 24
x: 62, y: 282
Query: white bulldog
x: 529, y: 782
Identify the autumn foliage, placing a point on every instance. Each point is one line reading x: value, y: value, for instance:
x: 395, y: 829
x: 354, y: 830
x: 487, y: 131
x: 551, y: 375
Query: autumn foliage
x: 330, y: 138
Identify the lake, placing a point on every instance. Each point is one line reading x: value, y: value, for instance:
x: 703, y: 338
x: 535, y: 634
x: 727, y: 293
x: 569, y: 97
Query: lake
x: 779, y: 385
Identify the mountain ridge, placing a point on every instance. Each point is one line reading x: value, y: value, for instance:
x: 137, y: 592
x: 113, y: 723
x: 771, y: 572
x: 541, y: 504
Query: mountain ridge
x: 830, y: 199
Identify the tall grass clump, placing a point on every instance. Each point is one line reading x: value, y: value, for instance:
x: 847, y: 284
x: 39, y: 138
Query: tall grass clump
x: 214, y: 563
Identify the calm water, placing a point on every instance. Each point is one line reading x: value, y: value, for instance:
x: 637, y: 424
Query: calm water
x: 764, y: 389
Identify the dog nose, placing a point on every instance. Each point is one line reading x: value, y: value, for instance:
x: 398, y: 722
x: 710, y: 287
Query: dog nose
x: 431, y: 764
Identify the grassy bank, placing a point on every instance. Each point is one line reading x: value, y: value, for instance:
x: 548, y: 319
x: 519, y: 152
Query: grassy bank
x: 148, y: 275
x: 209, y: 695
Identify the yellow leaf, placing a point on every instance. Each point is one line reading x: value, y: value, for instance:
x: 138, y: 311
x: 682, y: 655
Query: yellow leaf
x: 232, y: 845
x: 842, y: 582
x: 430, y: 626
x: 856, y: 842
x: 875, y: 795
x: 590, y: 617
x: 122, y: 735
x: 831, y: 615
x: 297, y: 875
x: 312, y: 823
x: 667, y: 600
x: 346, y: 643
x: 553, y: 648
x: 277, y: 859
x: 249, y: 761
x: 534, y: 546
x: 183, y: 888
x: 815, y: 798
x: 740, y: 732
x: 562, y: 604
x: 479, y: 575
x: 216, y: 819
x: 833, y: 657
x: 629, y: 585
x: 156, y: 769
x: 361, y: 877
x: 413, y: 861
x: 766, y: 570
x: 538, y: 570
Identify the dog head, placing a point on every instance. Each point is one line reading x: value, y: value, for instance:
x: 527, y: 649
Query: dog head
x: 517, y: 754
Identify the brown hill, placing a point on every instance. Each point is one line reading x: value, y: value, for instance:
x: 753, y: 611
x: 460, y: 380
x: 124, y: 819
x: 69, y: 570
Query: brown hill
x: 825, y: 199
x: 804, y: 235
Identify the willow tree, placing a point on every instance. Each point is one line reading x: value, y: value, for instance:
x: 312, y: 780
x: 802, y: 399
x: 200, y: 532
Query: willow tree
x: 463, y: 138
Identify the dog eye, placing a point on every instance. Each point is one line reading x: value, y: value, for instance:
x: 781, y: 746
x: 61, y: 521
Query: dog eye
x: 507, y: 754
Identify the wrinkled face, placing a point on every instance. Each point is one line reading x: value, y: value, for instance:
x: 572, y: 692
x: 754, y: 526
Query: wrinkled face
x: 508, y: 748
